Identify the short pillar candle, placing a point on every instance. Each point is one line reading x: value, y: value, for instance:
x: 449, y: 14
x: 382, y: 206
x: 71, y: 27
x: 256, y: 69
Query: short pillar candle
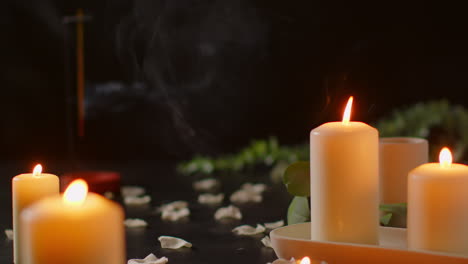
x: 438, y: 206
x: 28, y: 188
x: 344, y: 178
x: 76, y: 228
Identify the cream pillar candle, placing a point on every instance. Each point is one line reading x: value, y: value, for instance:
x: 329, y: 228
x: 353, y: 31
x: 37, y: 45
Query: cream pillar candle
x: 28, y: 188
x: 344, y: 177
x: 438, y: 206
x: 76, y: 228
x: 399, y: 155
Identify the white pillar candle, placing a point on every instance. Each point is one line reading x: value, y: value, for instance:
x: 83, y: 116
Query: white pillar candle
x: 398, y: 156
x: 438, y: 206
x: 344, y: 177
x: 76, y: 228
x: 28, y: 188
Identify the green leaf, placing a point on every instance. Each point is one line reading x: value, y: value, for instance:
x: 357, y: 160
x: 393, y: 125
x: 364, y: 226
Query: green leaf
x: 396, y: 208
x: 297, y: 178
x: 385, y: 219
x: 298, y: 211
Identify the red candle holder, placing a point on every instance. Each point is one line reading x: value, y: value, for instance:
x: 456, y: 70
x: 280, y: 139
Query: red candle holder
x: 98, y: 181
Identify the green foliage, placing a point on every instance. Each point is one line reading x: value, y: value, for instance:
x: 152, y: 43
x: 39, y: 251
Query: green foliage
x: 297, y: 178
x: 444, y: 124
x: 267, y: 152
x: 298, y: 211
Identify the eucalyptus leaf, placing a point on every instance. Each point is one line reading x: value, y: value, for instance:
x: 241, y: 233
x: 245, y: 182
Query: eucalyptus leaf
x: 298, y: 211
x: 385, y: 219
x: 297, y: 178
x: 396, y: 208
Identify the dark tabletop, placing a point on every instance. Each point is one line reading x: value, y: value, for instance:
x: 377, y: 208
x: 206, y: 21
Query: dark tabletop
x: 213, y: 241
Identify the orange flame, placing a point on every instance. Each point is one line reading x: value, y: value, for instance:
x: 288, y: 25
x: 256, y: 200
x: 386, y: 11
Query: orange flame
x: 37, y: 170
x: 76, y: 192
x: 445, y: 158
x: 347, y: 112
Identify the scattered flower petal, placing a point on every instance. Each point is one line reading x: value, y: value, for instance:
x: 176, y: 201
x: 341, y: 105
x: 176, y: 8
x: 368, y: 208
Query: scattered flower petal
x: 173, y: 242
x: 174, y: 215
x: 206, y: 185
x: 246, y: 230
x: 173, y: 206
x: 266, y: 241
x: 150, y: 259
x: 244, y: 196
x: 9, y: 233
x: 228, y: 212
x: 132, y: 191
x: 135, y: 201
x: 211, y: 199
x: 274, y: 225
x: 255, y: 188
x: 135, y: 223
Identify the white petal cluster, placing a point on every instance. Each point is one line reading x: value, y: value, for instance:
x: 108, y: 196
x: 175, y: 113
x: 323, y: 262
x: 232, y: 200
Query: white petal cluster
x: 173, y: 242
x: 150, y: 259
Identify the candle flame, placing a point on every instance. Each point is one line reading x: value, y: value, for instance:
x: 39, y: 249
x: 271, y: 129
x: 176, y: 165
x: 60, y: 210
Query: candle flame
x: 305, y: 260
x: 37, y: 170
x: 347, y: 112
x: 76, y: 192
x: 445, y: 158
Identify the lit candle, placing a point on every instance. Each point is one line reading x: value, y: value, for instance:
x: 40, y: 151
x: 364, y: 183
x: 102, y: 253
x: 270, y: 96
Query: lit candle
x: 76, y: 228
x: 438, y: 206
x: 344, y: 178
x: 28, y: 188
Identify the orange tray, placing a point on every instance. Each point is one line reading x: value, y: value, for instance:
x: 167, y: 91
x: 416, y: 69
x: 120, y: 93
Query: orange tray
x: 294, y: 241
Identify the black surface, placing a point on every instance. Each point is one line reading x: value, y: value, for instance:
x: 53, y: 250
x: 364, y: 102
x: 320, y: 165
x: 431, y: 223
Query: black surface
x: 213, y: 242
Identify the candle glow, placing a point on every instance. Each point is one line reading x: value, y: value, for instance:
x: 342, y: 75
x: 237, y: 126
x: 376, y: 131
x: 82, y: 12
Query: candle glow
x: 37, y: 170
x: 347, y: 112
x: 305, y: 260
x: 445, y: 158
x: 76, y: 192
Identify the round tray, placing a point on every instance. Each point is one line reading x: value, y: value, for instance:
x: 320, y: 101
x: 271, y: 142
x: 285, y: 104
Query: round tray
x: 294, y: 241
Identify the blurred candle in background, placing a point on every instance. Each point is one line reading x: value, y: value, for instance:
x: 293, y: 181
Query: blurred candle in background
x: 438, y: 206
x: 76, y: 228
x: 398, y: 156
x: 28, y: 188
x: 344, y: 177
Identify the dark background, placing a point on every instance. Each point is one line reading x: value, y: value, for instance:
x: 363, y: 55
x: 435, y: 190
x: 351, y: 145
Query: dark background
x: 207, y: 76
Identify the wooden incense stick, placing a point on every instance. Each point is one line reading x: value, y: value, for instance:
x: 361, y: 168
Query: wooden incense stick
x: 80, y: 81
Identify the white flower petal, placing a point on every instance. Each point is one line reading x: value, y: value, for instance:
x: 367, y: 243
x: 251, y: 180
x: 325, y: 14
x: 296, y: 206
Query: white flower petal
x: 173, y: 242
x: 244, y: 196
x: 210, y: 199
x: 9, y: 233
x: 255, y: 188
x: 135, y: 223
x: 274, y: 225
x: 266, y: 241
x: 136, y: 201
x: 206, y: 185
x: 228, y: 212
x: 132, y: 191
x: 174, y: 215
x: 150, y: 259
x: 173, y: 206
x: 246, y: 230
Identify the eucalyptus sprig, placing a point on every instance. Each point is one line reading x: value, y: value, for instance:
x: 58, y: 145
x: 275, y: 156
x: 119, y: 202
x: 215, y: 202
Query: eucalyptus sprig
x: 259, y: 152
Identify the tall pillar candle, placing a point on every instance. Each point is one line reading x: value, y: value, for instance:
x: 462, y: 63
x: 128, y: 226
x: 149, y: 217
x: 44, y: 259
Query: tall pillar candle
x: 438, y: 206
x: 344, y: 178
x: 28, y: 188
x: 76, y: 228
